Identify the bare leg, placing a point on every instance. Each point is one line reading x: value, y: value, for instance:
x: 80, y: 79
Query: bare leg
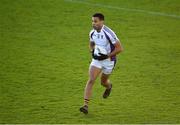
x: 105, y: 80
x: 93, y: 74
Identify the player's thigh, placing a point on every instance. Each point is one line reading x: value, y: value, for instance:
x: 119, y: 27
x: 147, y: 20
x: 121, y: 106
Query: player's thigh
x: 107, y: 67
x: 104, y: 78
x: 94, y: 72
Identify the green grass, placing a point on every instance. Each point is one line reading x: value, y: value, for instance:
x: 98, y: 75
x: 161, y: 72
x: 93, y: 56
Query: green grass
x: 44, y: 60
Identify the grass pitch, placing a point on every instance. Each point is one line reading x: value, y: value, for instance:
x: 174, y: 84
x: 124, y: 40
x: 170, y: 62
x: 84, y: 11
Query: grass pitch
x: 44, y: 60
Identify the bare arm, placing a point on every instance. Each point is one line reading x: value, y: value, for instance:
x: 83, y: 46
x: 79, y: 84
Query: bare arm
x: 91, y: 46
x: 117, y: 50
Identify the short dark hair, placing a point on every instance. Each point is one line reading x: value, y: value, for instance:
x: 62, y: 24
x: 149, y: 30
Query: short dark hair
x: 99, y: 15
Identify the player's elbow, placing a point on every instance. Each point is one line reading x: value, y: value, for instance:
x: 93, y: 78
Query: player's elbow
x: 120, y: 49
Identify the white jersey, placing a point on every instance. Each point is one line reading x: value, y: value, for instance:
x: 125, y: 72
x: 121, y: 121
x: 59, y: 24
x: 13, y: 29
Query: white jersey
x: 106, y: 38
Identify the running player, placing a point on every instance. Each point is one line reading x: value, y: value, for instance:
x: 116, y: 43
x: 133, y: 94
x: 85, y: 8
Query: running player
x: 103, y: 65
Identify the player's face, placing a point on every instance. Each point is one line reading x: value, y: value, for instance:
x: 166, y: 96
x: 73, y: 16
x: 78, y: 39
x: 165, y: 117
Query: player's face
x: 97, y: 23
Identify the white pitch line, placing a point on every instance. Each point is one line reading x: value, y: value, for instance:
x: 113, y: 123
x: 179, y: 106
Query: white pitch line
x: 125, y: 9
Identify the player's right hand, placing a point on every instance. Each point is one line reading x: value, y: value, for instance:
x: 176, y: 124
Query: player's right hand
x: 101, y: 57
x: 93, y: 56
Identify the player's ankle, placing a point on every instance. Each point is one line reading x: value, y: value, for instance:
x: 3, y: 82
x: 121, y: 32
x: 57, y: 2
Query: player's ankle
x: 85, y: 105
x: 86, y: 101
x: 109, y: 86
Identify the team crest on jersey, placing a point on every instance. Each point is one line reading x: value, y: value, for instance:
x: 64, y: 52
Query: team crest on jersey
x: 99, y: 36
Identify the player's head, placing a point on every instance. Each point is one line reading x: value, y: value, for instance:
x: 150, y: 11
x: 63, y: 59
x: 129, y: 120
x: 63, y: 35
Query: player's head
x: 97, y: 21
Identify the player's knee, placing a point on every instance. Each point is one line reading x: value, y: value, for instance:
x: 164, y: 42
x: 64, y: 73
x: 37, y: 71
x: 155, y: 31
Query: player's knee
x: 103, y: 81
x: 91, y: 81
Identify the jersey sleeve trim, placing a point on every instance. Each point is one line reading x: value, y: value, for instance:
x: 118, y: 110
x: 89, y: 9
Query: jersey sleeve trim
x: 90, y: 35
x: 113, y: 35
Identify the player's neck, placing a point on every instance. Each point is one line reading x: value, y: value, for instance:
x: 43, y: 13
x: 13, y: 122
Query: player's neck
x: 99, y: 30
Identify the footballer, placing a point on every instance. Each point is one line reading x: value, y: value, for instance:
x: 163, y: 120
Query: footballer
x: 102, y: 64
